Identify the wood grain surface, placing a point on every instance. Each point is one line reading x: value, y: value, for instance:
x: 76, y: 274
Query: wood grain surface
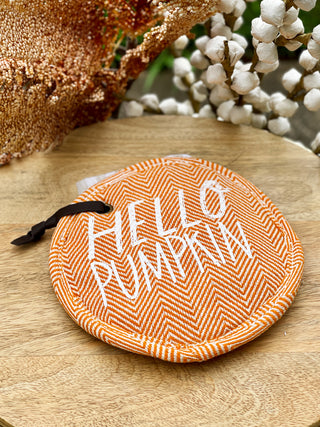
x: 52, y: 373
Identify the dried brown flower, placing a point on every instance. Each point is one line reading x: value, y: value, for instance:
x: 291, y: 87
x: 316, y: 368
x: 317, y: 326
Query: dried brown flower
x: 56, y: 58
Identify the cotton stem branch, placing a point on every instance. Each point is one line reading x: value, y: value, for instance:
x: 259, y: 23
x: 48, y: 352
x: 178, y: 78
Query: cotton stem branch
x: 302, y: 38
x: 195, y: 104
x: 255, y: 60
x: 230, y: 20
x: 289, y: 4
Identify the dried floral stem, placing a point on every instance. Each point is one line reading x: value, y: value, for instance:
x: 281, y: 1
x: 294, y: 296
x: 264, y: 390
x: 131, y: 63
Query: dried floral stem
x: 70, y: 50
x: 254, y: 60
x: 289, y: 4
x: 230, y: 20
x: 195, y: 104
x: 302, y: 38
x: 295, y: 94
x: 226, y: 64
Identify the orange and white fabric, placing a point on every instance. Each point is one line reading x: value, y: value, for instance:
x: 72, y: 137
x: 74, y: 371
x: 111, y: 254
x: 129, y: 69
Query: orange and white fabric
x: 192, y: 262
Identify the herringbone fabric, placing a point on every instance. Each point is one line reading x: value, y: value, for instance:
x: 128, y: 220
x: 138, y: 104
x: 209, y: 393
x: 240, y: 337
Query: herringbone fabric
x: 192, y: 262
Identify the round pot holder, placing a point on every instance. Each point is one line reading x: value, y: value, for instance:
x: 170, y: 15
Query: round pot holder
x: 192, y: 261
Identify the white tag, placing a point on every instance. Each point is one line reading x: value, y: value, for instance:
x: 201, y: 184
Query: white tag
x: 86, y: 183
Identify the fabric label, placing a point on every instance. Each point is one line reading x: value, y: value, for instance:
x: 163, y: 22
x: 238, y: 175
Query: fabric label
x: 189, y: 241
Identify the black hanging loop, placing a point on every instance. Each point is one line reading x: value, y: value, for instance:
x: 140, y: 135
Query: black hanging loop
x: 38, y: 230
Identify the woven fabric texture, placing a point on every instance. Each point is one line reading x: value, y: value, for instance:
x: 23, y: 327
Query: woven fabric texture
x: 192, y: 262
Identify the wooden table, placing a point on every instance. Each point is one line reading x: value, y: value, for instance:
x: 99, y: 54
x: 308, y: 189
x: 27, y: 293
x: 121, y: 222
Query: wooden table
x: 52, y: 373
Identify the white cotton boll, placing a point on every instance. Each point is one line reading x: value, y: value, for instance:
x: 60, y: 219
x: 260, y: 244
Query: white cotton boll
x: 312, y: 100
x: 190, y: 78
x: 263, y: 67
x: 199, y: 91
x: 184, y: 108
x: 273, y: 11
x: 314, y: 48
x: 255, y: 42
x: 215, y: 49
x: 204, y: 79
x: 132, y: 109
x: 181, y: 66
x: 169, y: 106
x: 263, y: 31
x: 151, y: 101
x: 216, y: 74
x: 315, y: 144
x: 240, y: 66
x: 184, y: 86
x: 206, y: 111
x: 234, y: 73
x: 290, y: 16
x: 200, y: 87
x: 282, y: 106
x: 307, y: 61
x: 276, y: 98
x: 238, y: 23
x: 181, y: 42
x: 267, y: 53
x: 312, y: 81
x: 292, y: 45
x: 291, y: 30
x: 198, y: 60
x: 236, y: 52
x: 241, y: 115
x: 177, y: 81
x: 279, y: 126
x: 221, y: 30
x: 246, y: 67
x: 244, y: 82
x: 259, y: 99
x: 305, y: 4
x: 220, y: 94
x: 201, y: 43
x: 224, y: 109
x: 217, y: 18
x: 242, y: 41
x: 316, y: 34
x: 290, y: 79
x: 258, y: 121
x: 239, y: 7
x: 225, y: 6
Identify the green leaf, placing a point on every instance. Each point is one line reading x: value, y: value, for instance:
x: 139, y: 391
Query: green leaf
x: 162, y: 62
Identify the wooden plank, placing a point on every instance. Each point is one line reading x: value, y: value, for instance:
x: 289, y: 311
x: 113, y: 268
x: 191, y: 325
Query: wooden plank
x: 53, y: 373
x: 128, y: 390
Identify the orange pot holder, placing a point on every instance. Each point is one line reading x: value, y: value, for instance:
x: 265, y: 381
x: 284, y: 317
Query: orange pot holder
x: 188, y: 260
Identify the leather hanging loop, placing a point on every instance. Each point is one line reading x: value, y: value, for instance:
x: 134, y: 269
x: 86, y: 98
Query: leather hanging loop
x: 38, y: 230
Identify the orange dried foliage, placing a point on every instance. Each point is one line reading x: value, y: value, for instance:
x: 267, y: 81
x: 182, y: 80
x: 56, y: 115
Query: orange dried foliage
x: 55, y: 59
